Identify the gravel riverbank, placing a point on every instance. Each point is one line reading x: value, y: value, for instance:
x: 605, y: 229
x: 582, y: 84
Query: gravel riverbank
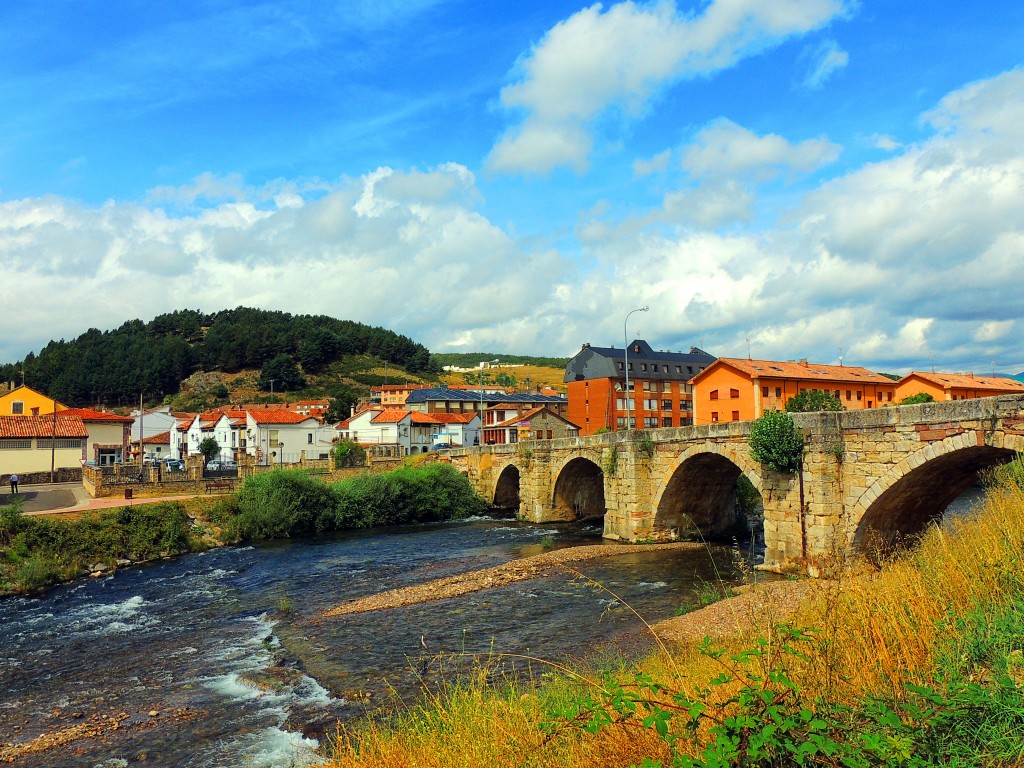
x: 518, y: 570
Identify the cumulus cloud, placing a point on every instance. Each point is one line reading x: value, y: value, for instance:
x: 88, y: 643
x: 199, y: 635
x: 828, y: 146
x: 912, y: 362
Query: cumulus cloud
x: 824, y: 60
x: 622, y: 57
x: 406, y: 250
x: 724, y: 149
x: 656, y: 164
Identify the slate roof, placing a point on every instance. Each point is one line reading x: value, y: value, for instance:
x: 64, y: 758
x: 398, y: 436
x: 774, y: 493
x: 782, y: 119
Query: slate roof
x: 42, y: 426
x: 602, y: 363
x: 462, y: 396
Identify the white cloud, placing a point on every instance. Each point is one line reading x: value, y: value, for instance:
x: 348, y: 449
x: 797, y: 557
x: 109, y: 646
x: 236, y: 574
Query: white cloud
x: 656, y: 164
x: 825, y: 60
x: 622, y: 57
x: 723, y: 149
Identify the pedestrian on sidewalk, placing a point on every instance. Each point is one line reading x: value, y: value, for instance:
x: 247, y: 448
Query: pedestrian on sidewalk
x: 14, y: 484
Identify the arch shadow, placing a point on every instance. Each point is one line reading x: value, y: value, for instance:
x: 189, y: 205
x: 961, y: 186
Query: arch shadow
x: 579, y: 491
x: 701, y: 499
x: 907, y: 504
x: 506, y: 490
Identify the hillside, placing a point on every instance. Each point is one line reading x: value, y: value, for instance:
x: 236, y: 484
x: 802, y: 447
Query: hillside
x: 289, y: 352
x: 520, y: 377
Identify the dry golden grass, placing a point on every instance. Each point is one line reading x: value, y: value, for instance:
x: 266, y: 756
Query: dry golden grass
x: 876, y: 629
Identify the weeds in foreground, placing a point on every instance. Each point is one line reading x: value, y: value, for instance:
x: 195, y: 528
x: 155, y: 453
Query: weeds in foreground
x: 919, y: 663
x: 707, y: 593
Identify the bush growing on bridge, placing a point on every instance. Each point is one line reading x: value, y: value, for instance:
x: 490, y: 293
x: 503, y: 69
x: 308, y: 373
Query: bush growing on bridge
x: 776, y: 442
x: 813, y: 400
x: 349, y: 453
x: 920, y: 397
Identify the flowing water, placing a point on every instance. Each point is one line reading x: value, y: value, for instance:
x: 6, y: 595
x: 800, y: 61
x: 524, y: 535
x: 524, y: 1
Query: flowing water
x: 227, y: 646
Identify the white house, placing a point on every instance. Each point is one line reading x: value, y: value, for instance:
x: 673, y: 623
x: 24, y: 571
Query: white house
x: 277, y: 436
x: 107, y: 442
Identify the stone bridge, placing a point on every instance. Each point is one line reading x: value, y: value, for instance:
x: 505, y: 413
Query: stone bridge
x: 870, y: 478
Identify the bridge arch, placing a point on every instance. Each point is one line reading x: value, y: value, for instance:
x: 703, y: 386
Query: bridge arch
x: 506, y: 490
x: 698, y: 498
x: 579, y: 490
x: 900, y: 505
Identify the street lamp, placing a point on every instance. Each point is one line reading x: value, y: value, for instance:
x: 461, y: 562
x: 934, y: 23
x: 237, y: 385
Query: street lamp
x: 626, y: 337
x: 480, y: 439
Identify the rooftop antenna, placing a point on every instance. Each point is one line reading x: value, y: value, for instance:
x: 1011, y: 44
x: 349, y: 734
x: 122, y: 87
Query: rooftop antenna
x: 840, y: 357
x: 993, y: 367
x: 933, y: 363
x: 748, y: 348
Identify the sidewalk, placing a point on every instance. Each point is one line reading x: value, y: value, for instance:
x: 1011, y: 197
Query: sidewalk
x: 49, y: 498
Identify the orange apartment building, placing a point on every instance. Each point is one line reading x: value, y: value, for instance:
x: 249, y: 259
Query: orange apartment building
x: 736, y: 389
x: 393, y: 395
x: 956, y: 386
x: 659, y: 384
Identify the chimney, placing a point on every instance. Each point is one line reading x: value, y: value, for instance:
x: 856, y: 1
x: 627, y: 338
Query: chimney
x: 803, y: 362
x: 586, y: 345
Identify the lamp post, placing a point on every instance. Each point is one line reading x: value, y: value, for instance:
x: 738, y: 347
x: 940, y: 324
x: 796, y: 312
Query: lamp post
x: 626, y: 337
x: 480, y: 440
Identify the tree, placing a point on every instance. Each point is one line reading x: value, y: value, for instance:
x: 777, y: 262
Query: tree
x: 348, y: 453
x: 282, y: 371
x: 776, y: 442
x: 813, y: 400
x: 920, y: 397
x: 209, y: 448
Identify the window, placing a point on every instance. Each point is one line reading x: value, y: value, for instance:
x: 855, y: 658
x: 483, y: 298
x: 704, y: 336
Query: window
x: 714, y: 416
x: 714, y: 394
x: 888, y: 396
x: 549, y: 435
x: 650, y: 422
x: 15, y: 445
x: 859, y: 394
x: 689, y: 369
x: 539, y: 434
x: 679, y: 369
x: 17, y: 408
x: 309, y: 438
x: 666, y: 405
x: 273, y: 438
x: 621, y: 366
x: 620, y: 404
x: 643, y: 366
x: 848, y: 394
x: 44, y: 442
x: 621, y: 422
x: 735, y: 415
x: 666, y: 421
x: 835, y: 394
x: 650, y: 405
x: 778, y: 391
x: 764, y: 391
x: 734, y: 393
x: 35, y: 411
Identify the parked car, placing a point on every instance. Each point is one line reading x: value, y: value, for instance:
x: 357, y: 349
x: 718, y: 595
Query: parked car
x: 174, y: 465
x: 221, y: 464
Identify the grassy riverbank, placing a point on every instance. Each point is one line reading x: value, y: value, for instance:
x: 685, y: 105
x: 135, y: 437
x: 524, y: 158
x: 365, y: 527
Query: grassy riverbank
x: 38, y: 551
x: 918, y: 663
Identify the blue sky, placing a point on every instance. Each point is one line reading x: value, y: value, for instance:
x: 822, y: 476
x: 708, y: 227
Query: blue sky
x: 803, y: 176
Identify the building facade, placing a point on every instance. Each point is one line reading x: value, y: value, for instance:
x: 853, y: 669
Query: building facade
x: 659, y: 387
x: 956, y: 386
x: 741, y: 389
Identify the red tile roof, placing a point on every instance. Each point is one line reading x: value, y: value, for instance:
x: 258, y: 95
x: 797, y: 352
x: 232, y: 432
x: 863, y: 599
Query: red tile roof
x: 392, y: 416
x: 968, y: 381
x: 418, y: 417
x: 453, y: 418
x: 774, y: 369
x: 88, y: 414
x: 279, y: 417
x: 42, y: 426
x: 164, y: 438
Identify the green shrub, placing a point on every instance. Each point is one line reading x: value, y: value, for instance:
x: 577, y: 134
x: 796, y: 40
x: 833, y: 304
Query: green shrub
x: 776, y: 442
x: 920, y: 397
x: 284, y: 503
x: 813, y: 400
x: 348, y: 453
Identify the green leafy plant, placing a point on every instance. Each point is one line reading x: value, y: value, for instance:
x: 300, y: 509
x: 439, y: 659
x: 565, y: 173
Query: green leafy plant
x: 348, y: 453
x: 644, y: 446
x: 920, y: 397
x: 813, y: 400
x: 610, y: 460
x: 776, y: 442
x: 209, y: 448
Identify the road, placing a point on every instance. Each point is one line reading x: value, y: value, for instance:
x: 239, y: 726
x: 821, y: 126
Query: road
x: 68, y: 497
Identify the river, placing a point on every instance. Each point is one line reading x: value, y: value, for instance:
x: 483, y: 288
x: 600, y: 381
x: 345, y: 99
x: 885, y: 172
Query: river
x: 227, y: 647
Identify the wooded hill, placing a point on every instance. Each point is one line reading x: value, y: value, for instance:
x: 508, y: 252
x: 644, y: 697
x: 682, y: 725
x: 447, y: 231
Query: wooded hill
x: 115, y: 366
